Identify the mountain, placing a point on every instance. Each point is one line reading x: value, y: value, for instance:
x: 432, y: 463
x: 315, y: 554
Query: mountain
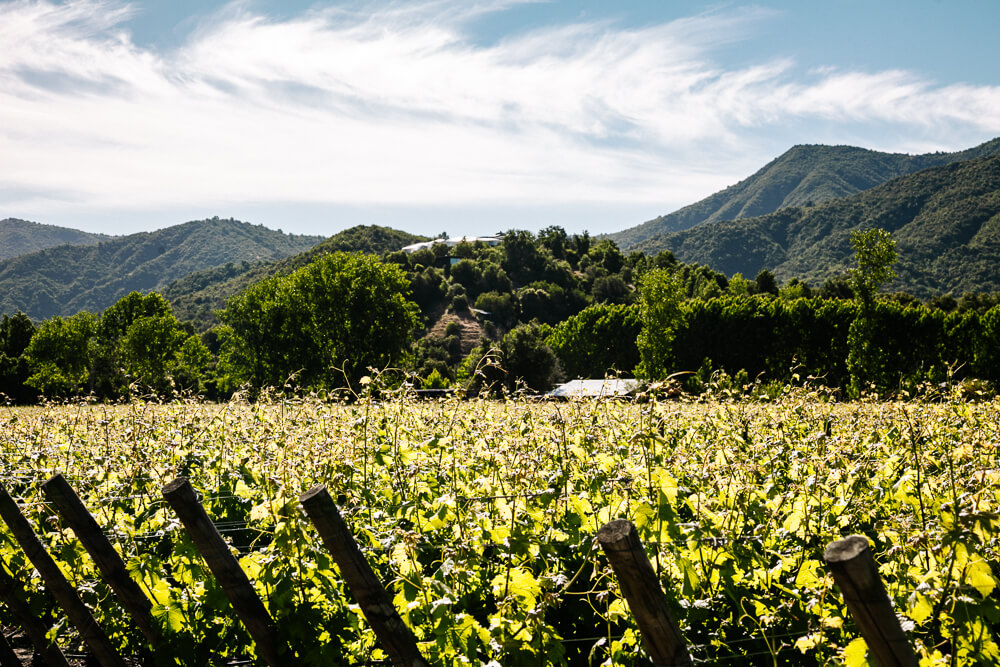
x: 945, y: 220
x: 18, y: 237
x: 803, y: 176
x: 196, y: 297
x: 66, y: 279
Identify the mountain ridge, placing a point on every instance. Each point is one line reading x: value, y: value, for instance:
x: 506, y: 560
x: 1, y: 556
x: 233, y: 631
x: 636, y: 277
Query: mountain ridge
x: 945, y: 220
x: 806, y: 174
x: 20, y: 237
x: 65, y: 279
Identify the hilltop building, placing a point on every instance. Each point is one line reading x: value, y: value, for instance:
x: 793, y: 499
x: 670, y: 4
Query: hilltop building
x: 451, y: 243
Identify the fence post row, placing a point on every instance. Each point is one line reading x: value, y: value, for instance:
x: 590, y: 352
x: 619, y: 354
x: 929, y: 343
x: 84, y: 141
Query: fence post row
x: 641, y: 588
x: 850, y: 560
x: 63, y: 592
x: 397, y: 639
x: 108, y: 561
x: 226, y: 569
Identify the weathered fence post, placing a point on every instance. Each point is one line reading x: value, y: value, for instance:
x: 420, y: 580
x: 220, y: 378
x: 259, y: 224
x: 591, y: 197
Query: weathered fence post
x: 108, y: 561
x: 7, y: 656
x: 850, y: 560
x: 35, y: 629
x: 396, y: 638
x: 640, y: 587
x: 226, y: 569
x: 61, y: 589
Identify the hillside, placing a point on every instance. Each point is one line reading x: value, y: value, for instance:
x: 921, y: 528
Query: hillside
x: 19, y: 237
x: 66, y: 279
x: 945, y: 220
x: 197, y: 296
x: 803, y: 176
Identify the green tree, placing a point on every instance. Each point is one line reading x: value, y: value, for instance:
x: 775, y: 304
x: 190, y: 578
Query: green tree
x: 190, y: 368
x: 527, y: 358
x: 59, y: 355
x: 149, y: 350
x: 598, y: 340
x: 16, y: 332
x: 765, y: 283
x: 137, y: 342
x: 867, y: 363
x: 521, y: 258
x: 874, y: 254
x: 324, y: 324
x: 660, y: 296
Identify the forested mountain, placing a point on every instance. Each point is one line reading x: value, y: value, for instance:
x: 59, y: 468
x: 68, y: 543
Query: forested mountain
x: 18, y: 237
x: 66, y: 279
x: 195, y: 297
x: 803, y: 176
x: 945, y: 220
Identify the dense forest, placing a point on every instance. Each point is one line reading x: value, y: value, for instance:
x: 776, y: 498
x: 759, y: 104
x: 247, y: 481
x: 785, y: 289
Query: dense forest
x: 522, y: 314
x: 946, y: 221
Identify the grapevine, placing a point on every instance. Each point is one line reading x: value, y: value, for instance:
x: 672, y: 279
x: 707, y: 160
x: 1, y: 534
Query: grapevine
x: 481, y: 516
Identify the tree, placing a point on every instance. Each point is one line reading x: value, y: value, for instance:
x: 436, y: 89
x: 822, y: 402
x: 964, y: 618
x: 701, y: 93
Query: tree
x: 874, y: 254
x: 190, y: 367
x: 324, y: 324
x: 16, y: 332
x: 555, y: 239
x: 149, y: 350
x: 521, y: 258
x: 119, y: 316
x: 598, y: 340
x: 528, y: 359
x: 611, y: 289
x: 137, y: 341
x: 766, y: 283
x: 660, y: 296
x: 59, y: 355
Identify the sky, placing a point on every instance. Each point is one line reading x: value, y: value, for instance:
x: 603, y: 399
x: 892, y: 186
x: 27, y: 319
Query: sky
x: 461, y: 116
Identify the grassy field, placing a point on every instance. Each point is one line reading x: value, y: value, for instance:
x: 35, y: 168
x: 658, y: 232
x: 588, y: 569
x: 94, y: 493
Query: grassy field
x: 481, y: 517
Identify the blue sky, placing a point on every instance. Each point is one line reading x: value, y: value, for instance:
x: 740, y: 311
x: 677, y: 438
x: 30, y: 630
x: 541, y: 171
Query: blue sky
x: 465, y: 116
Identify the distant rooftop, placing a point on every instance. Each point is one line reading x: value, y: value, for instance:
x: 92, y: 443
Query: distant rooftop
x: 594, y: 388
x: 451, y: 243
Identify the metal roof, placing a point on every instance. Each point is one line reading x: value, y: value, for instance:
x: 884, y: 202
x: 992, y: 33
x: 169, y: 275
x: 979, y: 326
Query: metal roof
x: 594, y: 388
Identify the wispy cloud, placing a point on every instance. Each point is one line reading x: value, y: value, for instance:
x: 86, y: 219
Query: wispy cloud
x: 399, y: 105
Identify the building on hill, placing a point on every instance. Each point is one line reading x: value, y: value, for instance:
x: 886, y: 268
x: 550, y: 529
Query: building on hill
x: 451, y: 243
x: 606, y: 388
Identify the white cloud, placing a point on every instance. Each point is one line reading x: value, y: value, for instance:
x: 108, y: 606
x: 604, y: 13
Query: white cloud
x: 399, y: 106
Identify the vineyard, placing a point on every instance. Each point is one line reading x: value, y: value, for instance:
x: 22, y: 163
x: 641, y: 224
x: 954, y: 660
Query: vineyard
x: 480, y: 517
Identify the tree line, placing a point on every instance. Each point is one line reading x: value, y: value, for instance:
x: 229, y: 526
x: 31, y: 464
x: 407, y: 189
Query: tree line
x: 546, y: 307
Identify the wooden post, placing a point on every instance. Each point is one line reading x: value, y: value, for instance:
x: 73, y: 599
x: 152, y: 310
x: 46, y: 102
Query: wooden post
x: 108, y: 561
x: 7, y: 656
x: 226, y: 569
x: 61, y: 589
x: 850, y: 560
x: 396, y: 638
x: 640, y: 587
x: 35, y: 629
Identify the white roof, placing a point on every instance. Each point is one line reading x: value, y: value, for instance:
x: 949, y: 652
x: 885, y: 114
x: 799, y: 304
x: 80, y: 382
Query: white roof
x: 594, y: 388
x: 488, y: 240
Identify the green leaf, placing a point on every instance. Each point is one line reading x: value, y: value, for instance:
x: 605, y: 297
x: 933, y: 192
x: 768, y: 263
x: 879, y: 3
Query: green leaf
x: 856, y: 653
x: 980, y: 576
x: 921, y: 609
